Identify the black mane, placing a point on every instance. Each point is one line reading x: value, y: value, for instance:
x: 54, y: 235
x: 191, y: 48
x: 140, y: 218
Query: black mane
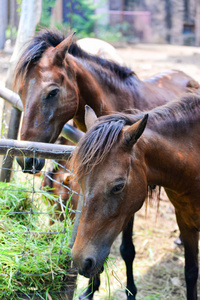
x: 51, y: 38
x: 98, y: 141
x: 177, y: 114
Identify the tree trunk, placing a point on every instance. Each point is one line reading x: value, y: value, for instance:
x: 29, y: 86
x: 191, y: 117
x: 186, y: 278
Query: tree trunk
x: 30, y: 17
x: 197, y: 23
x: 12, y: 11
x: 3, y: 22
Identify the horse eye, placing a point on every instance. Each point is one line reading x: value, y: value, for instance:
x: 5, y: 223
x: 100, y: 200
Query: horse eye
x: 118, y: 188
x: 52, y: 93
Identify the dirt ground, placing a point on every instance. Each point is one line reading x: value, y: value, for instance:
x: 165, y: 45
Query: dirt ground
x: 158, y: 266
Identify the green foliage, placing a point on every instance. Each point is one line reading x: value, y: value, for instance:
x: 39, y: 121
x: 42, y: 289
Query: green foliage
x: 113, y: 33
x: 47, y: 5
x: 109, y: 34
x: 34, y: 256
x: 8, y: 32
x: 81, y: 17
x: 19, y: 2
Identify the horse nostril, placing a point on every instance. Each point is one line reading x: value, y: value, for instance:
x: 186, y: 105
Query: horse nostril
x: 89, y: 264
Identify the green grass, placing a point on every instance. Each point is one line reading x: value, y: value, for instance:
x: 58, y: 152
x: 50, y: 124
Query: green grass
x: 34, y: 256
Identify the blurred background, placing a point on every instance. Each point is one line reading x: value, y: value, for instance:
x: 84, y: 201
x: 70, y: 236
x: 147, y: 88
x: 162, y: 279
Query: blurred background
x: 158, y: 21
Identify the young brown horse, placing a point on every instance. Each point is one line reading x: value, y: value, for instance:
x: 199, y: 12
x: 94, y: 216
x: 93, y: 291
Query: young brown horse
x: 115, y: 162
x: 56, y: 79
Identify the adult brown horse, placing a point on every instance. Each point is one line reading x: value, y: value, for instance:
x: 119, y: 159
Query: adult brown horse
x: 56, y: 79
x: 115, y: 162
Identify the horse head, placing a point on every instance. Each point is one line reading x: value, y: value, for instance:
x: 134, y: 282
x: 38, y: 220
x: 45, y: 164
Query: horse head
x: 114, y: 188
x: 49, y: 93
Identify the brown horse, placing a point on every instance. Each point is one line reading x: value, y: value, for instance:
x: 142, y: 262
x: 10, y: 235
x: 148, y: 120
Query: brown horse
x: 56, y: 79
x: 58, y: 181
x: 115, y: 162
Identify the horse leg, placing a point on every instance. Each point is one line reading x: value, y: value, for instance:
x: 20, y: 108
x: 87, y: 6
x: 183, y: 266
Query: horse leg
x: 190, y: 237
x: 127, y: 250
x: 93, y: 286
x: 179, y: 241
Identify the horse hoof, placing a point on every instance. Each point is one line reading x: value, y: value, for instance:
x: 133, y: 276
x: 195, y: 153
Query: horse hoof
x: 131, y: 297
x: 178, y: 242
x: 86, y: 296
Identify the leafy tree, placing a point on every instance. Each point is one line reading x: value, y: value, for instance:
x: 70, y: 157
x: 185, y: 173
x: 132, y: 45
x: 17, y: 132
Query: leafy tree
x: 80, y: 16
x: 47, y: 6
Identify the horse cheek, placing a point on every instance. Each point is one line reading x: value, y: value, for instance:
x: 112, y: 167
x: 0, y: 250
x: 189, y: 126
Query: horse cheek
x: 69, y: 102
x: 137, y: 191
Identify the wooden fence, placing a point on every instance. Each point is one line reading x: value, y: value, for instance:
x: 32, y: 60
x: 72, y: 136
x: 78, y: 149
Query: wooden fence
x: 19, y: 276
x: 29, y: 279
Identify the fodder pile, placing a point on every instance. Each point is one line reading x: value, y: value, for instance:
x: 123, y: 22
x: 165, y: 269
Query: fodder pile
x: 34, y: 256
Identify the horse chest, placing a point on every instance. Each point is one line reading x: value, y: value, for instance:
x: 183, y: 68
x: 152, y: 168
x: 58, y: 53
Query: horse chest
x: 192, y: 220
x: 189, y: 209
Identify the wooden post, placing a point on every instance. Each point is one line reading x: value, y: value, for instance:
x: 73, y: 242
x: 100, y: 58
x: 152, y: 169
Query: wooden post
x: 3, y: 22
x: 13, y: 128
x: 12, y: 134
x: 197, y: 24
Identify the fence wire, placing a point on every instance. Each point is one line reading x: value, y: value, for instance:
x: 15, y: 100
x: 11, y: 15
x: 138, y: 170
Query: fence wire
x: 36, y: 224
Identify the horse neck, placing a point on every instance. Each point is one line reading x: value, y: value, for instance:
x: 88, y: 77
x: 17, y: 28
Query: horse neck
x: 89, y: 91
x: 100, y: 93
x: 165, y: 159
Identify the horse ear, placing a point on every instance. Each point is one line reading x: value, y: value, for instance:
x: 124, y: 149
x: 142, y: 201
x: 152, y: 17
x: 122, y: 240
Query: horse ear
x: 67, y: 178
x: 133, y: 132
x: 62, y: 48
x: 90, y: 117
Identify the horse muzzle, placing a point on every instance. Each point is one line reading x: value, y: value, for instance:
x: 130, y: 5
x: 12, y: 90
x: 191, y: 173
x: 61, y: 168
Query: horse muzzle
x: 90, y: 266
x: 31, y: 165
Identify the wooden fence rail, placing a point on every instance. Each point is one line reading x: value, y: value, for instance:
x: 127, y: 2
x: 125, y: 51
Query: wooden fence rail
x: 35, y: 149
x: 11, y: 97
